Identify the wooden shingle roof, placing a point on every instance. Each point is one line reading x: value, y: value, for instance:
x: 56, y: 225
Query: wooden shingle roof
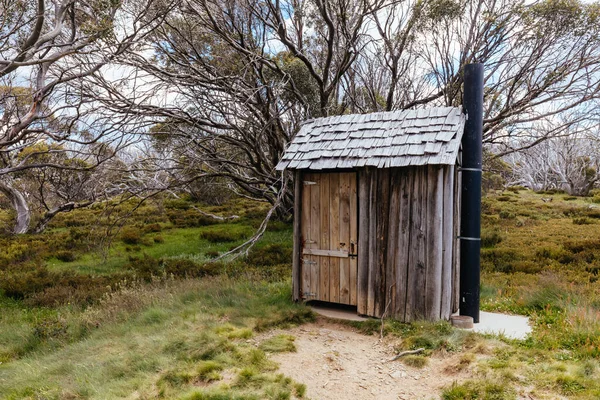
x: 383, y: 140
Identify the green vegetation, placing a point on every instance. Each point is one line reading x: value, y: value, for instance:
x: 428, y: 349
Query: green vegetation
x: 98, y: 308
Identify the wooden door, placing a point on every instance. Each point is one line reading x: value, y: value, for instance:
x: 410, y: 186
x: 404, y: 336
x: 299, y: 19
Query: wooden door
x: 329, y: 237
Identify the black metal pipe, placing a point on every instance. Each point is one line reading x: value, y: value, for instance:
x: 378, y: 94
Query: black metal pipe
x: 470, y: 225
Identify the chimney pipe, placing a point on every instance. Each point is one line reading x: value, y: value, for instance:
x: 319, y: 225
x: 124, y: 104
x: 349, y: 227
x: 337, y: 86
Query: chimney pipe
x: 470, y: 225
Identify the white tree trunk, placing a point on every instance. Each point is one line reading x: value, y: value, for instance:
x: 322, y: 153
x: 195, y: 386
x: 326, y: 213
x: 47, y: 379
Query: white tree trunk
x: 19, y: 205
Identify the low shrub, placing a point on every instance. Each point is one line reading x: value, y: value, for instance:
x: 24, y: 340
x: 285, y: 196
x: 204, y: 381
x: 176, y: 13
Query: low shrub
x: 593, y: 214
x: 569, y: 198
x: 577, y: 246
x: 490, y: 238
x: 53, y: 328
x: 415, y: 361
x: 153, y: 228
x: 145, y: 267
x: 65, y: 256
x: 131, y: 236
x: 506, y: 215
x: 527, y: 267
x: 583, y: 221
x: 574, y: 211
x: 271, y: 254
x: 503, y: 198
x: 158, y: 239
x: 38, y: 286
x: 499, y: 260
x: 190, y: 219
x: 183, y: 267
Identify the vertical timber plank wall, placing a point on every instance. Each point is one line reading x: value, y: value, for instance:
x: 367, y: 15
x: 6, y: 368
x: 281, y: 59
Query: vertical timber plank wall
x: 456, y: 242
x: 382, y: 208
x: 407, y: 242
x: 325, y: 237
x: 297, y: 256
x: 364, y: 180
x: 372, y: 249
x: 448, y: 243
x: 315, y: 237
x: 415, y: 288
x: 393, y: 221
x: 434, y: 242
x: 344, y: 236
x: 353, y: 238
x: 405, y: 183
x: 334, y: 237
x: 305, y: 221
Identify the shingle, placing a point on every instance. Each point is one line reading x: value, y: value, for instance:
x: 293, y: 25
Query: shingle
x: 384, y: 139
x: 433, y: 147
x: 445, y: 136
x: 428, y: 136
x: 412, y: 139
x: 453, y: 118
x: 300, y: 139
x: 398, y: 140
x: 416, y: 149
x: 422, y: 113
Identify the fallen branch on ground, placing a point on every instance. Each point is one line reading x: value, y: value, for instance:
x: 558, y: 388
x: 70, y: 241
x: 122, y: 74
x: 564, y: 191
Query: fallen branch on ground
x: 406, y: 353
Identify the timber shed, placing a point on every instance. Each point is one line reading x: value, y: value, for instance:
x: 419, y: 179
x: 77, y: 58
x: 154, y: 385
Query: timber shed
x: 376, y: 212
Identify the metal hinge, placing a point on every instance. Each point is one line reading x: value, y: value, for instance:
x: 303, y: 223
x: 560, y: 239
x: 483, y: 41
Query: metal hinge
x: 309, y: 294
x: 310, y: 183
x: 309, y: 262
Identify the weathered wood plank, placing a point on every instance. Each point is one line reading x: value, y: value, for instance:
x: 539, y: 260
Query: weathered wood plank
x: 364, y: 176
x: 334, y: 236
x: 353, y: 238
x: 403, y: 243
x: 297, y: 251
x: 344, y: 237
x: 456, y: 247
x: 382, y: 211
x: 315, y: 223
x: 422, y: 247
x: 448, y: 243
x: 324, y: 238
x: 326, y: 253
x: 433, y: 278
x: 371, y: 291
x: 393, y: 222
x: 306, y: 207
x: 415, y: 304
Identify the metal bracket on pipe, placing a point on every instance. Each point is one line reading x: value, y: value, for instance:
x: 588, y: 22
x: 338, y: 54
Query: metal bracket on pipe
x: 468, y: 238
x: 470, y: 169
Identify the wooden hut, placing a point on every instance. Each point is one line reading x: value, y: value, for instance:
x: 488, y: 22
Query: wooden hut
x: 376, y: 212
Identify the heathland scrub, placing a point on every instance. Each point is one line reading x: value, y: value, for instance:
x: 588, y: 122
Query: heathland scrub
x: 95, y: 309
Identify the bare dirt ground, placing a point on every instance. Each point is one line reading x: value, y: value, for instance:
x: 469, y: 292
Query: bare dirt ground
x: 335, y: 362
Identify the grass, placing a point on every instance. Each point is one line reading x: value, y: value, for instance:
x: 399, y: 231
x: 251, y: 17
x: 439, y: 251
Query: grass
x: 163, y: 346
x: 150, y: 330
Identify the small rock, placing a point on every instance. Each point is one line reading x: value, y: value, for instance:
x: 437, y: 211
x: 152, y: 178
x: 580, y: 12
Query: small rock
x: 397, y: 374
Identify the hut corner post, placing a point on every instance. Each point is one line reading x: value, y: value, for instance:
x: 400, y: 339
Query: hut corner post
x: 470, y: 229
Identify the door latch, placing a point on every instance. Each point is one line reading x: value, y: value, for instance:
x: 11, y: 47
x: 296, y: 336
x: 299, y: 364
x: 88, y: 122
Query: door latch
x: 352, y: 253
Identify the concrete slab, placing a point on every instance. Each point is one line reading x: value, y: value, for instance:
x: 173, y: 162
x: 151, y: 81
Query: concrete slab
x: 331, y: 311
x: 511, y: 326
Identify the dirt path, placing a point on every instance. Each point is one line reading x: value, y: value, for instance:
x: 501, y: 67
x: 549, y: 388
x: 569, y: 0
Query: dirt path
x: 337, y: 363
